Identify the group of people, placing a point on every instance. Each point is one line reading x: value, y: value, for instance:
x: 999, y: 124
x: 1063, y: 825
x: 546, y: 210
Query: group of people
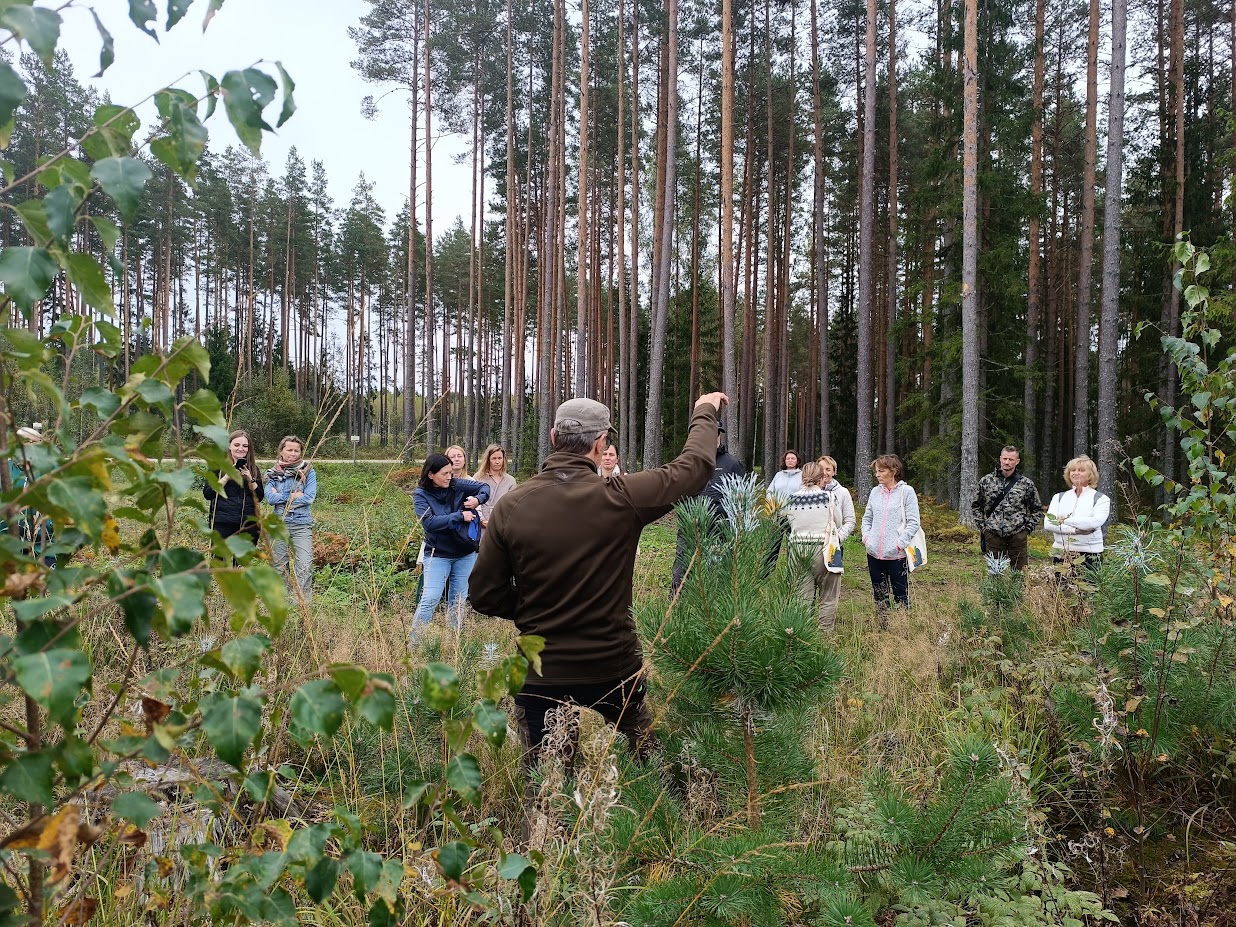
x: 559, y: 550
x: 1007, y: 510
x: 290, y: 486
x: 819, y: 516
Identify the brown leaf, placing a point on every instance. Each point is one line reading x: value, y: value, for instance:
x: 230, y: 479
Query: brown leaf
x: 133, y: 836
x: 59, y: 840
x: 77, y: 912
x: 88, y: 834
x: 154, y: 711
x: 19, y: 585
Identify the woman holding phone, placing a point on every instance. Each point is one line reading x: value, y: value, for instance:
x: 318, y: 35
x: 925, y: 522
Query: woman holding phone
x: 235, y: 510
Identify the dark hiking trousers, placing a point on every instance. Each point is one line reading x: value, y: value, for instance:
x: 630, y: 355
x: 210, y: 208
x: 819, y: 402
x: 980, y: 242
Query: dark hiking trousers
x: 621, y: 702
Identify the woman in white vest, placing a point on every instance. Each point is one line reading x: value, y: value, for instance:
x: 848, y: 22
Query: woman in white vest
x: 821, y: 517
x: 1076, y: 516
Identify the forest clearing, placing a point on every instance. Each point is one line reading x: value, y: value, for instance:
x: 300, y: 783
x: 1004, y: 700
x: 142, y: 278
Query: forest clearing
x: 909, y: 242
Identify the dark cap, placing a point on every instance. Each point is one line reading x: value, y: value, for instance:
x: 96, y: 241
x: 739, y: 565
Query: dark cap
x: 581, y: 417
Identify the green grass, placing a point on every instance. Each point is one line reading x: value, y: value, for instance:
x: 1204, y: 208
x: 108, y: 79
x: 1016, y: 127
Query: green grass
x: 907, y: 692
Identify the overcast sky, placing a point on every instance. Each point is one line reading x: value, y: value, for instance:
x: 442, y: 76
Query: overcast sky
x: 310, y: 38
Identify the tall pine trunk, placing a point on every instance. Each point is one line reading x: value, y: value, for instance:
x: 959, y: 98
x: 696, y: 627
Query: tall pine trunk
x: 665, y: 248
x: 818, y: 214
x: 729, y: 379
x: 508, y: 280
x: 890, y: 351
x: 1030, y: 392
x: 1110, y: 314
x: 582, y: 251
x: 431, y: 396
x: 866, y: 266
x: 969, y: 269
x: 1081, y: 344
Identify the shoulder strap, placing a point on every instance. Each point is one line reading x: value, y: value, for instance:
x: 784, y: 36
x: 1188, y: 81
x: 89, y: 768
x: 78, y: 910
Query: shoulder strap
x: 1008, y: 484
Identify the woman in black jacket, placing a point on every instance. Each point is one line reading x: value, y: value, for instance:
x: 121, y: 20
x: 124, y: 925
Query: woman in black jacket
x: 235, y: 509
x: 446, y: 506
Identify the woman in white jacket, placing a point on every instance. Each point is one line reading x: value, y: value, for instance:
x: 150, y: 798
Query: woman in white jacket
x: 1076, y: 516
x: 821, y: 518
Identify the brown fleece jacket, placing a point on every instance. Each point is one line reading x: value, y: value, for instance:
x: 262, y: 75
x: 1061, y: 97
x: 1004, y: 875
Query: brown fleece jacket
x: 558, y: 556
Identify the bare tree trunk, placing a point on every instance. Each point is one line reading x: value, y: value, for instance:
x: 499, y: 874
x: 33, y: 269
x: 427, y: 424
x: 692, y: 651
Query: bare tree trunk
x: 546, y: 260
x: 969, y: 270
x: 582, y: 253
x: 431, y: 395
x: 696, y: 222
x: 866, y: 267
x: 1171, y: 321
x: 729, y: 379
x: 625, y: 360
x: 1081, y: 346
x: 1030, y: 393
x: 660, y: 313
x: 505, y: 392
x: 890, y: 351
x: 1110, y: 314
x: 818, y: 214
x: 771, y: 329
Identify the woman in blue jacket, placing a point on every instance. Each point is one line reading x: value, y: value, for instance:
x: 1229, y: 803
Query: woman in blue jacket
x: 291, y: 487
x: 446, y: 505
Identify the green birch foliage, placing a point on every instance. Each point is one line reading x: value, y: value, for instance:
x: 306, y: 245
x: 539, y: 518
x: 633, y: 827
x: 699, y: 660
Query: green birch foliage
x: 90, y: 518
x: 1160, y: 637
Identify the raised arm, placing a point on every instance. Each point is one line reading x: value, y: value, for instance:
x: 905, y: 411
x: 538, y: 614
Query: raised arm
x: 654, y: 492
x: 429, y: 519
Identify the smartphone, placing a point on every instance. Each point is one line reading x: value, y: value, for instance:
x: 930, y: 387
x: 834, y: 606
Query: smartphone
x: 242, y: 464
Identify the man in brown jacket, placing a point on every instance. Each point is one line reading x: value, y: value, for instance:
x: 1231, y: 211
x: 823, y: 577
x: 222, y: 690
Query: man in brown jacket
x: 558, y: 559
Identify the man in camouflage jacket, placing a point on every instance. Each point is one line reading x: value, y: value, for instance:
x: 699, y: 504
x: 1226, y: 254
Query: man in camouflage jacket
x: 1006, y: 509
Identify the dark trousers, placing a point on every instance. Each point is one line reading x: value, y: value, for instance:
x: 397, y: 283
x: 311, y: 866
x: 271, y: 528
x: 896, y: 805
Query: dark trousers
x: 621, y: 702
x: 1014, y: 547
x: 889, y: 577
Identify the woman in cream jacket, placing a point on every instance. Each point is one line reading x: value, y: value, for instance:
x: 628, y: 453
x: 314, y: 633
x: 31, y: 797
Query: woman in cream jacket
x: 1076, y: 516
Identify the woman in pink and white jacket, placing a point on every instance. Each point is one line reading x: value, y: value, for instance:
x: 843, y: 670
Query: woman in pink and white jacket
x: 890, y: 522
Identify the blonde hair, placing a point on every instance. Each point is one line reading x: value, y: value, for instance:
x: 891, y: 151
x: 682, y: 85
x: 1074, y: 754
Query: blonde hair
x: 1082, y: 463
x: 813, y: 473
x: 290, y: 439
x: 484, y: 470
x: 456, y: 447
x: 825, y: 459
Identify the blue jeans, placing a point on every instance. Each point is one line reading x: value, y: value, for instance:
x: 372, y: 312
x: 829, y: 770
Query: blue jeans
x: 301, y: 539
x: 437, y: 571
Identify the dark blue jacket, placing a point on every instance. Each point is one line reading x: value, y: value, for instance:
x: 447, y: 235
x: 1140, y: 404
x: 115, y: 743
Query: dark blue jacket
x: 441, y: 512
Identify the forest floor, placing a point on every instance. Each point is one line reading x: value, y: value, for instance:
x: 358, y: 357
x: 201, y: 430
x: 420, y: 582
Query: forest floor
x: 903, y: 697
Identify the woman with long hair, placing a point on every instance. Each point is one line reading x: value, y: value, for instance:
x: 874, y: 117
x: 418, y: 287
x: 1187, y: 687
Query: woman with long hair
x: 459, y: 461
x: 789, y: 479
x: 446, y: 506
x: 493, y: 474
x: 235, y: 510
